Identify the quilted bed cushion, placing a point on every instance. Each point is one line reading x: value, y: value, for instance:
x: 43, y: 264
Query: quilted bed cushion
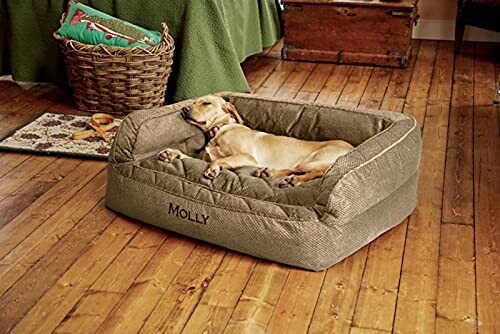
x: 313, y: 226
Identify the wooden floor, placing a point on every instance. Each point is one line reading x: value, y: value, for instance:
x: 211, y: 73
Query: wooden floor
x: 69, y: 265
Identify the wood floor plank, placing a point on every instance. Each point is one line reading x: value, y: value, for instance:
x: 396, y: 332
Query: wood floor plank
x: 318, y: 78
x: 416, y: 99
x: 262, y: 70
x: 257, y: 302
x: 315, y: 82
x: 141, y: 298
x: 355, y: 86
x: 177, y: 304
x: 22, y: 173
x: 295, y: 307
x: 335, y: 84
x: 51, y: 309
x: 37, y: 93
x: 106, y: 292
x: 44, y: 274
x: 442, y: 76
x: 393, y: 103
x: 486, y: 193
x: 337, y: 300
x: 306, y: 96
x: 46, y: 205
x: 375, y: 89
x: 15, y: 264
x: 456, y: 303
x: 295, y: 80
x: 276, y: 79
x: 361, y: 330
x: 458, y: 186
x: 378, y: 293
x: 12, y: 91
x: 9, y: 161
x: 26, y: 194
x: 416, y: 302
x: 401, y: 77
x: 395, y: 95
x: 218, y: 302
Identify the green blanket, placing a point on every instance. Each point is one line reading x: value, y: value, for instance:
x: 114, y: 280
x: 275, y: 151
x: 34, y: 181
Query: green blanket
x: 212, y: 38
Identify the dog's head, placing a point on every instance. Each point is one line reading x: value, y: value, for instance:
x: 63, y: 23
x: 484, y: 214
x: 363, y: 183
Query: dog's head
x: 211, y: 111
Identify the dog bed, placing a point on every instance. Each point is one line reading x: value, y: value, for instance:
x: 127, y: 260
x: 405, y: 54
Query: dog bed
x: 365, y: 193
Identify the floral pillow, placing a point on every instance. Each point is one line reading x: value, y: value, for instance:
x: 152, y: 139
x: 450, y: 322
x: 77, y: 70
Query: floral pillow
x: 90, y: 26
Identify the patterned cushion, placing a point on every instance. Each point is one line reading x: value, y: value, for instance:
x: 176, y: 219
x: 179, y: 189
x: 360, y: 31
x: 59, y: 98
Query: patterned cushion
x: 90, y: 26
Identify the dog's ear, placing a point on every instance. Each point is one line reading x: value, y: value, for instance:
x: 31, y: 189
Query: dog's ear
x: 230, y: 108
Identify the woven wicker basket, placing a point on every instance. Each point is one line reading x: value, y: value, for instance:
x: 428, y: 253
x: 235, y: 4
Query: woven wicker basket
x: 118, y: 80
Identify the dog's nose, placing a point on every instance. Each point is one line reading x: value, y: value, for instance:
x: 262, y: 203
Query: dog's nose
x: 185, y: 111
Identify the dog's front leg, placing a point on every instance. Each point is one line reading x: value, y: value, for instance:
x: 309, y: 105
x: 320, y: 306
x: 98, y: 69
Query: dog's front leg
x: 230, y: 162
x: 170, y: 154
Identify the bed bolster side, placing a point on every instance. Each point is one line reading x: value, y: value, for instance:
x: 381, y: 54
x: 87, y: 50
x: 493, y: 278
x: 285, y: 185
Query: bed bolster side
x: 145, y: 132
x: 387, y: 167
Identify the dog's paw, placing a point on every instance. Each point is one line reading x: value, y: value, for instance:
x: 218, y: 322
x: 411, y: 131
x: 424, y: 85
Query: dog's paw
x: 263, y: 173
x: 212, y: 172
x: 287, y: 182
x: 167, y: 155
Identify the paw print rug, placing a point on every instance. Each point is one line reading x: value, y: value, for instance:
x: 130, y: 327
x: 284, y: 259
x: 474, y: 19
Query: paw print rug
x: 52, y: 134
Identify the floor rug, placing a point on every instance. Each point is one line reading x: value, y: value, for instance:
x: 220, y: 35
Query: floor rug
x: 51, y: 134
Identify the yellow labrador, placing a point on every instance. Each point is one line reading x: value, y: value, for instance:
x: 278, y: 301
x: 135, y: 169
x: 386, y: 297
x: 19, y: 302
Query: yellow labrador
x: 234, y: 145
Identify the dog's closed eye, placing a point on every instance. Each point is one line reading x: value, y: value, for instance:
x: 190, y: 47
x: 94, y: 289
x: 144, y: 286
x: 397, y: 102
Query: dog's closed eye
x: 206, y: 103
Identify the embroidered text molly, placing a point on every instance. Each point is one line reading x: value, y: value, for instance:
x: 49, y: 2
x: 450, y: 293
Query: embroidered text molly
x: 199, y: 218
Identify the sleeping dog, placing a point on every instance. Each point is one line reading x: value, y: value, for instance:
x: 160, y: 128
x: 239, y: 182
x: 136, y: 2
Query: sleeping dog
x: 235, y: 145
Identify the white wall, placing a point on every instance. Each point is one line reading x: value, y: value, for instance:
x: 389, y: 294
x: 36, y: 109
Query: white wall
x: 437, y: 21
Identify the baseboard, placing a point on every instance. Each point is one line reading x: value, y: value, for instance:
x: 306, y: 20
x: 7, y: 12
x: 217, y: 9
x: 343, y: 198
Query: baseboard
x: 445, y: 30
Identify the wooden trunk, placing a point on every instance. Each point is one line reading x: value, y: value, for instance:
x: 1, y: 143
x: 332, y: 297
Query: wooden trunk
x: 349, y: 31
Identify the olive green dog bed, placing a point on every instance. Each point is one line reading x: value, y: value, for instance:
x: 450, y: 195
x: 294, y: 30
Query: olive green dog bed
x: 365, y: 193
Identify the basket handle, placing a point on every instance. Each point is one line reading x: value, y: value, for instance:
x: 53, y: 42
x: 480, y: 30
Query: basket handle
x: 164, y: 34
